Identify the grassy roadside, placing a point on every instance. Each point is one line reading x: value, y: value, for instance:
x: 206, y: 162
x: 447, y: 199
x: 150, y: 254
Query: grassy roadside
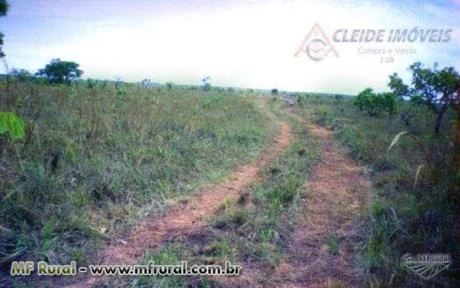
x: 99, y: 155
x: 411, y: 212
x: 252, y: 230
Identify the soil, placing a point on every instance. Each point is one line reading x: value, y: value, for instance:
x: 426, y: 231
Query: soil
x: 324, y: 251
x: 189, y: 215
x: 324, y: 248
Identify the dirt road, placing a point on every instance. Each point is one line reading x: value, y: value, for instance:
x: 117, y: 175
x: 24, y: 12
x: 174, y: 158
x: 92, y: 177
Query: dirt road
x: 188, y: 216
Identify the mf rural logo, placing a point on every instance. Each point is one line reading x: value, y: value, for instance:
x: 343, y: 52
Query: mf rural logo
x: 317, y: 45
x: 426, y: 265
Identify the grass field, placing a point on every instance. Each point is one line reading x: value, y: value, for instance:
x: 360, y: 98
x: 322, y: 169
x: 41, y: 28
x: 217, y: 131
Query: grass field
x: 252, y: 229
x: 414, y: 207
x: 99, y: 156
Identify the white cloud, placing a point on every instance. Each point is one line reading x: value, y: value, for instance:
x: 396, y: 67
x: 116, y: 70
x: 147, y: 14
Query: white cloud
x: 245, y: 43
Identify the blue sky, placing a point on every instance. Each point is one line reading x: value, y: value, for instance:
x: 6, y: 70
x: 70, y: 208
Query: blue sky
x: 238, y: 43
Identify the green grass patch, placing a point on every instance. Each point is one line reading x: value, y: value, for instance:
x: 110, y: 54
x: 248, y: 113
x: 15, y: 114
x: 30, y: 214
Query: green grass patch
x: 405, y: 216
x: 264, y: 221
x: 257, y: 225
x: 96, y: 157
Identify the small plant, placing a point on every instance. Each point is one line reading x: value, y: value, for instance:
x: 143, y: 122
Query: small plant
x: 396, y: 139
x: 11, y: 126
x: 302, y: 99
x: 324, y: 116
x: 332, y: 245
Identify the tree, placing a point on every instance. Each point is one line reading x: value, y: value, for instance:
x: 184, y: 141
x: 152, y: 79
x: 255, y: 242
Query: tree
x: 361, y: 101
x: 400, y: 89
x: 61, y: 72
x: 3, y: 10
x: 147, y: 83
x: 22, y: 75
x: 432, y: 87
x: 206, y: 84
x: 375, y: 104
x: 274, y: 91
x: 389, y: 103
x: 3, y: 7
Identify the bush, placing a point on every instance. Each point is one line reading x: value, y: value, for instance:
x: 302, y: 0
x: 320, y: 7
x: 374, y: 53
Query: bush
x: 375, y: 104
x: 11, y: 126
x: 354, y: 138
x: 22, y: 75
x: 324, y: 116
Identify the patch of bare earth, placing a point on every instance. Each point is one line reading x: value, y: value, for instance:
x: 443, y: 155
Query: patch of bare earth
x: 334, y: 195
x: 189, y: 215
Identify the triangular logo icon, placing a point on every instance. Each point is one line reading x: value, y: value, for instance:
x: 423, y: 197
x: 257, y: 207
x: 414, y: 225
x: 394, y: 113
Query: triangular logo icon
x: 316, y: 45
x: 426, y: 266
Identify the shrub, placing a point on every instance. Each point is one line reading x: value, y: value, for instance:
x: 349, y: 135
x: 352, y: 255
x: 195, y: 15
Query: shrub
x: 324, y: 116
x: 11, y: 126
x: 375, y: 104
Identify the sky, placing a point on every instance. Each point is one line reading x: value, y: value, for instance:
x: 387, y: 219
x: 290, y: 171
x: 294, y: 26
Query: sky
x: 239, y: 43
